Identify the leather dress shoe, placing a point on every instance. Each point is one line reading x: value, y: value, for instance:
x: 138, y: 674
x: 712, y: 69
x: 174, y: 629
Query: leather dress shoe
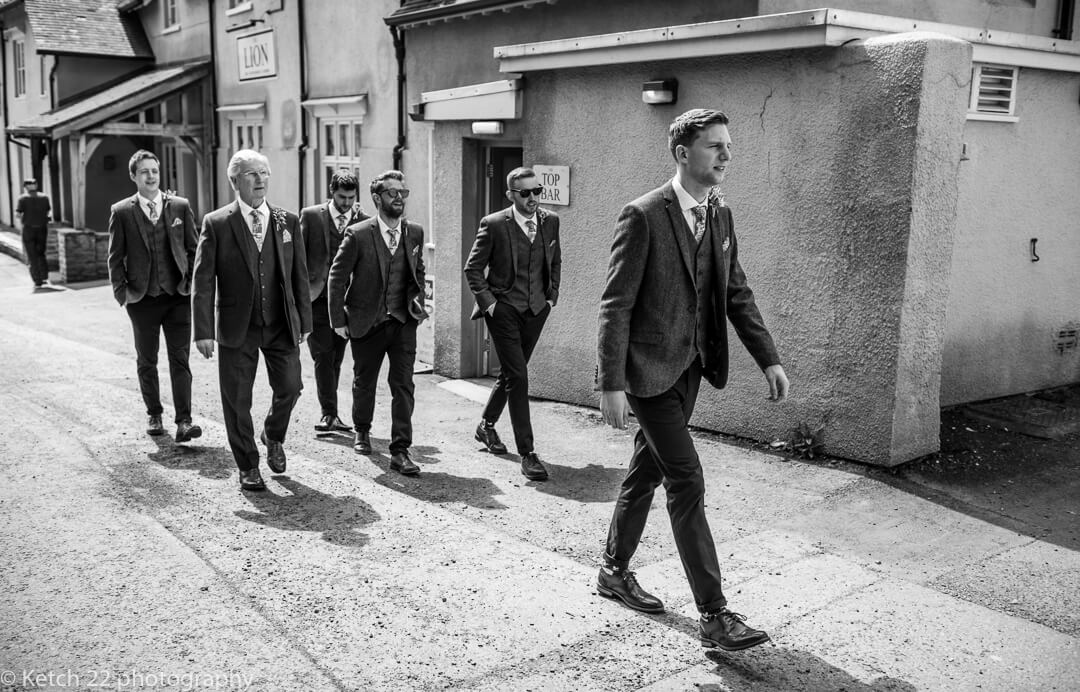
x: 275, y: 454
x: 727, y: 630
x: 251, y: 480
x: 532, y: 468
x: 401, y: 463
x: 621, y: 584
x: 154, y: 426
x: 362, y: 443
x: 332, y: 424
x: 185, y: 431
x: 487, y: 436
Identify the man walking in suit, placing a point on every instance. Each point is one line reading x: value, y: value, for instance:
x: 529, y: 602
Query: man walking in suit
x: 376, y: 301
x: 520, y: 251
x: 151, y: 252
x: 250, y: 264
x: 673, y: 280
x: 33, y: 210
x: 323, y: 227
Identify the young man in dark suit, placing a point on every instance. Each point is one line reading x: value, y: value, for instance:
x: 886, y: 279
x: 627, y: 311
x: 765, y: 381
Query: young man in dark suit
x: 151, y: 253
x: 674, y: 280
x: 519, y: 249
x: 376, y: 301
x: 251, y: 280
x: 323, y: 227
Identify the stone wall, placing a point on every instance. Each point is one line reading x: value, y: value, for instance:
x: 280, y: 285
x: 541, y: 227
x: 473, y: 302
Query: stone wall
x: 82, y: 255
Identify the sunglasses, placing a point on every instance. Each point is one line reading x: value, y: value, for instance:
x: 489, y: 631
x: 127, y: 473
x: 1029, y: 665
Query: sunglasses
x: 535, y: 192
x: 402, y: 193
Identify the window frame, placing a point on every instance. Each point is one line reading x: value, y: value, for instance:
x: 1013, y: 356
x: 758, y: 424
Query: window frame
x: 352, y: 159
x: 18, y: 67
x: 170, y: 9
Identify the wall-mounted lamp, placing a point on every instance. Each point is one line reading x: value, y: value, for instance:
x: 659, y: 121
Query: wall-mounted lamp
x: 416, y: 112
x: 487, y: 127
x: 660, y: 91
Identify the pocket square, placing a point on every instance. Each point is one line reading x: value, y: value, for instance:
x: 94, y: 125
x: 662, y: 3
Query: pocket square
x: 551, y: 244
x: 416, y: 249
x: 726, y: 245
x: 286, y: 237
x: 177, y: 222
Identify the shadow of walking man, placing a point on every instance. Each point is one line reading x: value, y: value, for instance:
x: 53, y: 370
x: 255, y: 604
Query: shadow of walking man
x: 339, y: 519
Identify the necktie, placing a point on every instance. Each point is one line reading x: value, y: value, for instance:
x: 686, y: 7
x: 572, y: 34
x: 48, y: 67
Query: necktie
x: 256, y: 228
x: 341, y: 220
x: 699, y: 221
x: 153, y: 212
x: 530, y: 229
x: 393, y: 239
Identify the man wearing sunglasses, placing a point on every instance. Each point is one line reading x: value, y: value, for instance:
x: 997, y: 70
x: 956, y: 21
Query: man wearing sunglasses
x: 519, y: 247
x: 376, y: 295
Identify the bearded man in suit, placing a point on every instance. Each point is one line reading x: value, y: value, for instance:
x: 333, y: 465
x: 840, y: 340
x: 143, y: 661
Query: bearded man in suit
x: 514, y: 270
x: 251, y: 279
x: 674, y: 281
x: 323, y: 227
x: 376, y: 301
x: 151, y: 252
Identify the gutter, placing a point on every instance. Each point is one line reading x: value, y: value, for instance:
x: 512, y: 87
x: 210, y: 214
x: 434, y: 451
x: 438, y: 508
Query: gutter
x: 7, y: 137
x: 214, y: 142
x: 399, y: 51
x: 302, y: 147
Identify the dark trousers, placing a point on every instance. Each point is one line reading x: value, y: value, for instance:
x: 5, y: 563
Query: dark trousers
x: 327, y: 351
x: 236, y: 372
x: 514, y: 335
x: 150, y: 317
x: 664, y: 453
x: 34, y: 240
x: 396, y: 341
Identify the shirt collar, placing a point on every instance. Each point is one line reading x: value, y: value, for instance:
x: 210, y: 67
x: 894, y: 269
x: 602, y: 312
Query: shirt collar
x: 143, y: 202
x: 334, y: 213
x: 382, y: 224
x: 521, y: 219
x: 246, y: 209
x: 686, y: 200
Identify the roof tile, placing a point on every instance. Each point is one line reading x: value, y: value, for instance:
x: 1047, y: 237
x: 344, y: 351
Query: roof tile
x: 90, y: 27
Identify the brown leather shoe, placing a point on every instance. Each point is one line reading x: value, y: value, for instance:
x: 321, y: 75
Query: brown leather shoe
x: 487, y: 436
x: 401, y: 463
x: 154, y: 426
x: 726, y: 630
x: 186, y: 432
x: 532, y: 468
x: 275, y: 454
x: 362, y: 443
x: 252, y: 480
x: 621, y: 584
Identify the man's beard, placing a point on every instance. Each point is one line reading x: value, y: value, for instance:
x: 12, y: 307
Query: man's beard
x: 390, y: 212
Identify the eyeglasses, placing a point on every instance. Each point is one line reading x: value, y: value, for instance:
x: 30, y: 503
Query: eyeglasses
x: 535, y: 192
x: 396, y: 193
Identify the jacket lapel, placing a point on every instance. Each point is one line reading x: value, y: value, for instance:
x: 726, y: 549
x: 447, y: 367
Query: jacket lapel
x: 678, y: 229
x: 136, y: 212
x: 331, y: 226
x: 377, y: 245
x: 512, y: 227
x: 243, y: 238
x: 278, y: 235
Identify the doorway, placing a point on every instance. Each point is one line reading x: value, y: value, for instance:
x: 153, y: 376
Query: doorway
x: 494, y: 162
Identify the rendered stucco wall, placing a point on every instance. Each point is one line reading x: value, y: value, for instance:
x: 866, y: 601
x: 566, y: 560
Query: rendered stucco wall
x: 1020, y: 181
x: 843, y: 191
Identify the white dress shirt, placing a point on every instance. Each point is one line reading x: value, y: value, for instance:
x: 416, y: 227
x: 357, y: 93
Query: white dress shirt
x: 384, y: 228
x: 686, y: 201
x: 521, y: 219
x: 335, y: 216
x: 264, y: 215
x: 144, y: 204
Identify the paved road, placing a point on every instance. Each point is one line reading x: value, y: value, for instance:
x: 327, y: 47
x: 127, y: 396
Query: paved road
x: 128, y: 561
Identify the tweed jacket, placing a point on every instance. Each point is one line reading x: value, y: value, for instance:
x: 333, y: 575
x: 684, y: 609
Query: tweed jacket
x: 226, y: 266
x: 649, y: 305
x: 358, y: 279
x: 495, y: 251
x: 129, y: 246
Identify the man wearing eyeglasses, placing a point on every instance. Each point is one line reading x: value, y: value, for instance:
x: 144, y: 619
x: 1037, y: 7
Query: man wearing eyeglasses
x: 323, y: 227
x: 519, y: 247
x: 376, y: 297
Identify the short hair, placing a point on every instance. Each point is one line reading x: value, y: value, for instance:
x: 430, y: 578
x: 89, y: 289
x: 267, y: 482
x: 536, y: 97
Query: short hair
x: 685, y: 128
x: 343, y: 180
x: 377, y: 181
x: 517, y: 174
x: 244, y: 156
x: 29, y: 181
x: 137, y: 158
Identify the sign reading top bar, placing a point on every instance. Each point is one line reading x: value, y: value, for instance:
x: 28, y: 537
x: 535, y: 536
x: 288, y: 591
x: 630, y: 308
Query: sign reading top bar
x: 255, y: 56
x: 556, y: 182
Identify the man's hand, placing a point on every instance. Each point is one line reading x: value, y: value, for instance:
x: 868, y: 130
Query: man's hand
x: 778, y: 382
x: 343, y: 332
x: 304, y: 336
x: 491, y: 309
x: 615, y: 409
x: 205, y: 347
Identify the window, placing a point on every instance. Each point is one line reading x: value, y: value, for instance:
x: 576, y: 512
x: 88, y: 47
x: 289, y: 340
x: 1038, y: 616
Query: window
x: 246, y: 135
x: 169, y: 9
x: 339, y: 146
x: 993, y: 93
x: 170, y: 167
x: 18, y: 62
x: 44, y: 73
x: 239, y: 5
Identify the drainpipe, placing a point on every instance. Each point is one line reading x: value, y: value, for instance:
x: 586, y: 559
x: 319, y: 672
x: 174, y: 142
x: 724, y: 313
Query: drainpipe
x: 1064, y: 28
x: 399, y: 50
x: 7, y: 137
x: 212, y: 141
x: 301, y: 149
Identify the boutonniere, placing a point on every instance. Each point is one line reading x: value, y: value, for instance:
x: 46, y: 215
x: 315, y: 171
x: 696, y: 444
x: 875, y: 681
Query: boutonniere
x: 177, y: 222
x: 541, y: 215
x: 716, y: 197
x: 279, y: 216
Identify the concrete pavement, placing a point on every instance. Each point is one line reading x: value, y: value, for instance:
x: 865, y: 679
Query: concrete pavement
x: 131, y: 561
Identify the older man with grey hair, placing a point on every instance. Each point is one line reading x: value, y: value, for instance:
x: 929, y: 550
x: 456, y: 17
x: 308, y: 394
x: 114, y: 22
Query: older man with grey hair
x: 251, y: 275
